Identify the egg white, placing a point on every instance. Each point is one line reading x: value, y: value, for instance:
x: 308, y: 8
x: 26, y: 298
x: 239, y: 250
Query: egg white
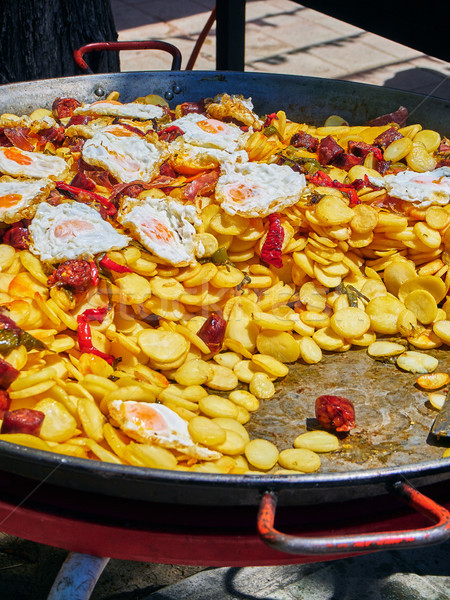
x: 72, y: 231
x: 422, y: 189
x: 181, y: 151
x: 165, y: 227
x: 257, y: 190
x: 169, y: 430
x: 116, y: 109
x: 19, y: 197
x: 14, y: 161
x: 200, y: 130
x: 127, y: 157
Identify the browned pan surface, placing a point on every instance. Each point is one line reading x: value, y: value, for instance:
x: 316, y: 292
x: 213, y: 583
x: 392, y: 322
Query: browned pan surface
x: 393, y: 417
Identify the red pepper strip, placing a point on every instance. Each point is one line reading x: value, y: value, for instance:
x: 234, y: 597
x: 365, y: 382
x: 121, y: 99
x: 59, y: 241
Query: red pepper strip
x: 110, y: 208
x: 110, y: 264
x: 94, y: 273
x: 95, y: 314
x: 352, y: 195
x: 271, y: 249
x: 85, y: 335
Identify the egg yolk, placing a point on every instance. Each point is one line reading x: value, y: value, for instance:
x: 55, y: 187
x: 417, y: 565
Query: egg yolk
x: 107, y: 102
x: 10, y: 200
x: 120, y: 132
x: 143, y: 414
x: 16, y: 155
x: 238, y: 193
x: 211, y: 126
x: 157, y: 230
x: 72, y: 228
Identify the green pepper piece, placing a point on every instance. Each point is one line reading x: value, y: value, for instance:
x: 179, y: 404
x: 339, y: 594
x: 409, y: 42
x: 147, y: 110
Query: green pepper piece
x: 220, y: 256
x: 8, y: 341
x: 30, y: 342
x: 271, y: 130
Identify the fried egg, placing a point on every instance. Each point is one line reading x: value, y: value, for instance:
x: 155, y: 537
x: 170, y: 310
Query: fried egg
x: 188, y: 159
x: 422, y: 189
x: 112, y: 108
x: 155, y: 423
x: 14, y: 161
x: 165, y: 227
x: 19, y: 198
x: 257, y: 190
x: 72, y: 231
x: 199, y: 130
x: 125, y: 155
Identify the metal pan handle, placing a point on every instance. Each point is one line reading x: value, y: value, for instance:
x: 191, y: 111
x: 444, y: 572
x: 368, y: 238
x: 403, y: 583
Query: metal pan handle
x: 358, y: 543
x: 116, y: 46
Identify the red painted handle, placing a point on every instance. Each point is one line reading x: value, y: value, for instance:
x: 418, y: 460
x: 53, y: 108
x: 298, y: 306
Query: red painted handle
x: 358, y: 543
x: 144, y: 45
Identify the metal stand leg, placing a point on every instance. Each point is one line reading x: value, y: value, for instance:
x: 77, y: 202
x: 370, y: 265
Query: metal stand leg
x: 230, y: 35
x: 77, y: 577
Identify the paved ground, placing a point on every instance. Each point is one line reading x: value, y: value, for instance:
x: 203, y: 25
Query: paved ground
x: 281, y: 37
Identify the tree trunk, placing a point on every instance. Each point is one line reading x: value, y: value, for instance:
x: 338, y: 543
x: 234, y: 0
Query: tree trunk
x: 38, y: 37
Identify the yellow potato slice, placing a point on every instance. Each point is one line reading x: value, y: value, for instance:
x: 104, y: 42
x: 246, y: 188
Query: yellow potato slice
x: 331, y: 210
x: 350, y: 322
x: 216, y: 406
x: 310, y: 351
x: 427, y: 235
x: 261, y: 386
x: 423, y: 305
x: 430, y: 283
x: 442, y: 330
x: 317, y: 441
x: 381, y: 348
x: 205, y: 431
x: 261, y: 454
x: 429, y: 138
x: 398, y: 149
x: 163, y: 346
x: 299, y: 459
x: 223, y: 378
x: 193, y: 372
x: 271, y: 365
x: 417, y: 362
x: 328, y: 339
x: 383, y: 312
x: 244, y: 399
x: 397, y: 273
x: 433, y: 381
x: 269, y: 321
x: 437, y: 217
x: 58, y: 425
x: 365, y: 218
x: 419, y: 159
x: 278, y: 344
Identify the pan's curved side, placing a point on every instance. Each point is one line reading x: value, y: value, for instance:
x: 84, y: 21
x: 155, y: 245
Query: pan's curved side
x: 310, y: 99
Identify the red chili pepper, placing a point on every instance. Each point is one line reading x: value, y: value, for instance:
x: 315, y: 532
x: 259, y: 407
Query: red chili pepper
x: 212, y: 332
x: 110, y: 264
x: 170, y: 133
x: 352, y: 195
x: 271, y: 249
x: 110, y: 208
x: 85, y: 335
x: 335, y: 412
x: 269, y: 119
x: 323, y: 179
x: 95, y: 314
x: 94, y: 273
